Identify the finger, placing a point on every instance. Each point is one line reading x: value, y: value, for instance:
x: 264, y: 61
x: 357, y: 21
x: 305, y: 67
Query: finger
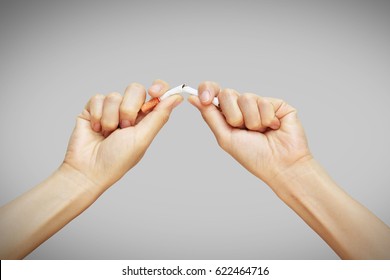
x: 207, y: 91
x: 95, y: 109
x: 158, y: 88
x: 248, y: 105
x: 133, y: 99
x: 283, y: 111
x: 267, y: 114
x: 151, y: 123
x: 229, y: 107
x: 110, y: 117
x: 215, y: 120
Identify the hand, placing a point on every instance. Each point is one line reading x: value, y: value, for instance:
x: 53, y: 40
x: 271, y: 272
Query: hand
x: 263, y: 134
x: 101, y: 150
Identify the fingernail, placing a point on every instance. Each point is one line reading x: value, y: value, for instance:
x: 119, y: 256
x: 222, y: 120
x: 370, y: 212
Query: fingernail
x: 275, y: 124
x: 204, y: 96
x: 105, y: 134
x: 125, y: 123
x: 96, y: 127
x: 156, y: 88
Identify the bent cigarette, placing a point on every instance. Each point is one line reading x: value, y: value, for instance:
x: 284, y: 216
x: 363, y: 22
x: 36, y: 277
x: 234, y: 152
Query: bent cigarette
x: 193, y: 91
x: 150, y: 104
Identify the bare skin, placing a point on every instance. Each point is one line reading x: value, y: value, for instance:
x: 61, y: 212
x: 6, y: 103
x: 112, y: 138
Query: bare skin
x: 266, y: 137
x: 98, y: 155
x: 263, y: 134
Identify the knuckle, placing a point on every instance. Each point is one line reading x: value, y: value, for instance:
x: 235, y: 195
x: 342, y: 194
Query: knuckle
x: 109, y: 125
x: 97, y: 97
x: 253, y: 126
x: 228, y: 91
x: 248, y: 96
x: 136, y: 85
x: 114, y: 96
x: 266, y: 122
x: 210, y: 84
x: 95, y: 117
x: 282, y: 103
x: 162, y: 82
x: 227, y: 95
x: 94, y: 107
x: 264, y: 101
x: 235, y: 121
x: 127, y: 112
x: 222, y: 95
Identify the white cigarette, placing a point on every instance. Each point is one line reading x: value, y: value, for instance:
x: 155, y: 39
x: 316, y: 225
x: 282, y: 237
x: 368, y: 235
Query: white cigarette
x: 193, y: 91
x: 176, y: 90
x: 172, y: 91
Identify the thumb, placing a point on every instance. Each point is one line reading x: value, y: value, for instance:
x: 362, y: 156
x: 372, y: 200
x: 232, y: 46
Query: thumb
x: 214, y: 119
x: 151, y: 124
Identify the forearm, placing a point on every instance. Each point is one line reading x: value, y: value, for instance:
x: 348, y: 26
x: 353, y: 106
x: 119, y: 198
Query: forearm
x: 35, y: 216
x: 349, y: 228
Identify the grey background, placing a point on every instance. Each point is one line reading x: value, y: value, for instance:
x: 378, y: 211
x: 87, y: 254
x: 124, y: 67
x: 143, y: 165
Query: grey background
x: 187, y: 199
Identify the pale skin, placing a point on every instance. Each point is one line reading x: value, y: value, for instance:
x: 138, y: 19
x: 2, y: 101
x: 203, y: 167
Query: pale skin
x: 263, y: 134
x: 267, y: 138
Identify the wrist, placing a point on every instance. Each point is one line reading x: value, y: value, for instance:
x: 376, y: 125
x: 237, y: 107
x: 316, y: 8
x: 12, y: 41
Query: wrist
x: 285, y: 182
x: 79, y: 180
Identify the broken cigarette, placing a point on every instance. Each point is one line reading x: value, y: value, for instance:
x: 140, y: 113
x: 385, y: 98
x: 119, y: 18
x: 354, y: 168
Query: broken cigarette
x: 193, y: 91
x: 149, y: 105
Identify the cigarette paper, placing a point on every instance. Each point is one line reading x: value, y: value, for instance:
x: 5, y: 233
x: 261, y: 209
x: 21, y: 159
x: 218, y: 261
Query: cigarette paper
x: 149, y: 105
x: 193, y: 91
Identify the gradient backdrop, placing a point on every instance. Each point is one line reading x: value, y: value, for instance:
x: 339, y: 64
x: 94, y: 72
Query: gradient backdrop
x: 187, y: 199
